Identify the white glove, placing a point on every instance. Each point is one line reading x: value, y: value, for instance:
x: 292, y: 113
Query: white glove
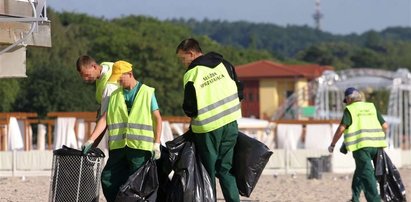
x: 156, y: 151
x: 330, y: 149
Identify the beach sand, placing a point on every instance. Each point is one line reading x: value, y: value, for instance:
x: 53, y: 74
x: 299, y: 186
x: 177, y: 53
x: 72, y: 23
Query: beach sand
x: 270, y: 188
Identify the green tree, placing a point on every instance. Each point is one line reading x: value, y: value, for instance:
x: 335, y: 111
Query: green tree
x: 9, y: 89
x: 366, y: 58
x: 149, y: 44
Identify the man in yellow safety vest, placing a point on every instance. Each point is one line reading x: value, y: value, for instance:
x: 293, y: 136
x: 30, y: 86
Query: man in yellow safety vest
x: 134, y: 126
x: 212, y: 100
x: 91, y: 72
x: 364, y: 133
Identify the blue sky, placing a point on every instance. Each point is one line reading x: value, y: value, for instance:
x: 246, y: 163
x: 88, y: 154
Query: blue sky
x: 340, y: 16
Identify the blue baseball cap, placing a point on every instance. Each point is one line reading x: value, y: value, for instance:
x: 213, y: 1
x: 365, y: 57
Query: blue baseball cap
x: 349, y: 91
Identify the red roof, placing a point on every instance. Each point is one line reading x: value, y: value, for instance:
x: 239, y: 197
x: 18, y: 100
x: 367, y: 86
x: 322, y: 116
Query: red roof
x: 268, y: 69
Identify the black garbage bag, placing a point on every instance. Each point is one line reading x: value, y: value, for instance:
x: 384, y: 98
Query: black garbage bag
x: 250, y: 158
x: 391, y: 186
x: 141, y: 186
x: 190, y: 181
x: 163, y: 169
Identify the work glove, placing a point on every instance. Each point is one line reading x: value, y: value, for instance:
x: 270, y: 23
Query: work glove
x: 156, y: 151
x: 343, y: 149
x: 87, y: 146
x: 331, y: 148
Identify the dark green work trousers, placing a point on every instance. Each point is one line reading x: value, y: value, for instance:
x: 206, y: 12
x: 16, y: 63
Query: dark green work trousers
x: 364, y: 177
x: 120, y: 165
x: 216, y: 150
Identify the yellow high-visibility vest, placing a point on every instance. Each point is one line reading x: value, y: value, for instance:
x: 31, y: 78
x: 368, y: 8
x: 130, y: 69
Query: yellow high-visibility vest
x: 217, y: 97
x: 365, y: 130
x: 102, y: 81
x: 134, y: 130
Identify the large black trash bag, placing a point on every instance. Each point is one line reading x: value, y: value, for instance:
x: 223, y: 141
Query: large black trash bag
x: 389, y: 179
x: 163, y: 169
x: 250, y: 158
x: 190, y: 182
x: 141, y: 186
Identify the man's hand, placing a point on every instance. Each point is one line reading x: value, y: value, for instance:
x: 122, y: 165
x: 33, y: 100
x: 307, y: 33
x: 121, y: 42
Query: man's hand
x: 156, y: 151
x: 331, y: 148
x: 343, y: 149
x: 87, y: 146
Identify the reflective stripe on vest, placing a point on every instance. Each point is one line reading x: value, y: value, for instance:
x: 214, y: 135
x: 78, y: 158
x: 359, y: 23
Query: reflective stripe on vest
x: 134, y: 130
x: 365, y: 130
x: 102, y: 81
x: 217, y: 97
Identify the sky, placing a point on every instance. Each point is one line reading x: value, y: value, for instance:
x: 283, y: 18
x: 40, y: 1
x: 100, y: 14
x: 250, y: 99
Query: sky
x: 339, y: 16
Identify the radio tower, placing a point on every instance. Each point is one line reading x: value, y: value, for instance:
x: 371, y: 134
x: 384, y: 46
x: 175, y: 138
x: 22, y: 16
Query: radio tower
x: 317, y: 15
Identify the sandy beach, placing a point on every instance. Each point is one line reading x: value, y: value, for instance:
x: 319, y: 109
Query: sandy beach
x: 270, y: 188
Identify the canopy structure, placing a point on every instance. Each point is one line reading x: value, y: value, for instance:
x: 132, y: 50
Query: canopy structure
x: 327, y: 92
x: 22, y: 23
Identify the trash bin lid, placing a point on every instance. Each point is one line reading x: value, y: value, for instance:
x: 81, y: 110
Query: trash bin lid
x: 67, y: 151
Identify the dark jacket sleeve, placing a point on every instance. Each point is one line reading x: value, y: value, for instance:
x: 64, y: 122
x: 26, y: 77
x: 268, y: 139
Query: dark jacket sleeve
x: 190, y: 100
x: 231, y: 71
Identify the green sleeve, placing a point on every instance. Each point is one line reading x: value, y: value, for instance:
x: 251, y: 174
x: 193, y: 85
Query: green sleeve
x: 346, y: 119
x: 380, y: 118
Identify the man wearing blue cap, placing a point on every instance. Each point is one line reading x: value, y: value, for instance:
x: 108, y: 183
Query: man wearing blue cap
x: 364, y: 133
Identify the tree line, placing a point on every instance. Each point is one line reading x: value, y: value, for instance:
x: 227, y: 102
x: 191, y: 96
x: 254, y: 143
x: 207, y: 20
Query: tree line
x: 387, y: 49
x: 53, y: 83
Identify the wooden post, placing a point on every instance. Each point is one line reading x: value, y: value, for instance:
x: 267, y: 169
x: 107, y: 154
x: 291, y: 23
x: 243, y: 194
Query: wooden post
x: 3, y: 134
x: 49, y: 131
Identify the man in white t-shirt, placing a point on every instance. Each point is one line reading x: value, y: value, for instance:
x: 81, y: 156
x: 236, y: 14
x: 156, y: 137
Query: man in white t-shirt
x: 90, y: 71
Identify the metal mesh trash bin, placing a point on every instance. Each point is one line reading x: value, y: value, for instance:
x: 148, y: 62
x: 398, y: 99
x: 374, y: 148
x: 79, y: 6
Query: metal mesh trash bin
x: 75, y: 177
x: 314, y: 167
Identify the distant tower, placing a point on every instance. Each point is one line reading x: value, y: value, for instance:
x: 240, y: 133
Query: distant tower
x: 317, y: 15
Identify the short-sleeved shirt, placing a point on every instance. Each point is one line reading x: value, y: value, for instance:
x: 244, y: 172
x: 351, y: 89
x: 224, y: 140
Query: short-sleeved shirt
x: 108, y: 89
x: 105, y: 99
x: 347, y: 121
x: 129, y: 96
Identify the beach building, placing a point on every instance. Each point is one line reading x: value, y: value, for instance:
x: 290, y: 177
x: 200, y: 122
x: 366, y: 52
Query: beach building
x: 268, y: 85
